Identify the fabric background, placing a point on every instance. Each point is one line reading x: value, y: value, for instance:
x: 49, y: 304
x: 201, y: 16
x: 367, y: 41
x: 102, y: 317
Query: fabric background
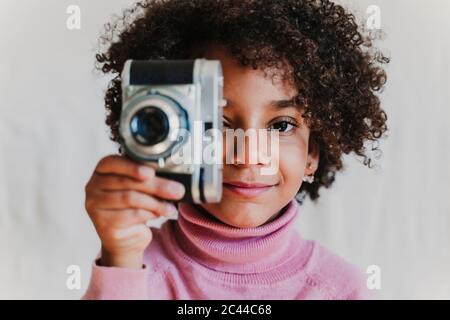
x: 52, y: 134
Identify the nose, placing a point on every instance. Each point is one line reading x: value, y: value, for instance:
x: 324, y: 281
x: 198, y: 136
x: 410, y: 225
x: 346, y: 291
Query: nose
x: 246, y: 148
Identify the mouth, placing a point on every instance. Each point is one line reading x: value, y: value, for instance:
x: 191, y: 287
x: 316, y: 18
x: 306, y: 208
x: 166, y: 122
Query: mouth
x: 247, y: 190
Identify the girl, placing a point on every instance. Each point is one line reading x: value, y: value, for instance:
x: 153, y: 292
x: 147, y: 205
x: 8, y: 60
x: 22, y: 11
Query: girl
x: 300, y: 67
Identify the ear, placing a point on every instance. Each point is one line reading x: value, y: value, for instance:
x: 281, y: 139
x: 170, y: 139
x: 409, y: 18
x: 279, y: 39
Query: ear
x: 312, y: 162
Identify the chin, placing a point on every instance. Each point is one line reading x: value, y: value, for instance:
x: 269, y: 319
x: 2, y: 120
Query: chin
x: 239, y: 215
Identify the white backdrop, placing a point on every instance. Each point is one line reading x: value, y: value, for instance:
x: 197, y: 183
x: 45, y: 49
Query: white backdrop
x: 52, y: 133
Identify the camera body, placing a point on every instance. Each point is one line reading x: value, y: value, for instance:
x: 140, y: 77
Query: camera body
x: 172, y: 111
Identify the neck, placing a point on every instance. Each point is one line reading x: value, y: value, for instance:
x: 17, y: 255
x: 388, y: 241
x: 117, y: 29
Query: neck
x: 226, y: 248
x: 208, y: 215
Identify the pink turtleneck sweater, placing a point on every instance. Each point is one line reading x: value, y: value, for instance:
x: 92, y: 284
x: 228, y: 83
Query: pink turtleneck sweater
x: 198, y: 257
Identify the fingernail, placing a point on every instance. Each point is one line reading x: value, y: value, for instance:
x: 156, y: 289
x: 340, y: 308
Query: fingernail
x: 145, y: 172
x: 173, y: 211
x: 177, y: 189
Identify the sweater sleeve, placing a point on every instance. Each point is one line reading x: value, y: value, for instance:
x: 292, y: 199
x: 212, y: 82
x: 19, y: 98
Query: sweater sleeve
x: 114, y: 283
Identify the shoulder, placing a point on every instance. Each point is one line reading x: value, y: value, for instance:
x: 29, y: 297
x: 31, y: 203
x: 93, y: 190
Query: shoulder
x: 335, y: 277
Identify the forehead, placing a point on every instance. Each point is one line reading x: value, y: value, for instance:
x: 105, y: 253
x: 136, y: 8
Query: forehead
x: 245, y: 82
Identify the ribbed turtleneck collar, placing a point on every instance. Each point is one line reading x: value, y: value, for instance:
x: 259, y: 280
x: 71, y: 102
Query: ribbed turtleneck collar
x: 240, y: 250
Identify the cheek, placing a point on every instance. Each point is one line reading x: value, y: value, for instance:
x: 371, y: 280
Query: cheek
x: 293, y: 156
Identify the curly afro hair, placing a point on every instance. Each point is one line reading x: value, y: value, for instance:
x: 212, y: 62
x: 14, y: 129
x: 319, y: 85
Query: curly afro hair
x: 333, y: 63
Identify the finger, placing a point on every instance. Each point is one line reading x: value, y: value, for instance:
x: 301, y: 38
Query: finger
x: 156, y: 186
x: 123, y: 218
x: 129, y: 235
x: 115, y: 164
x: 131, y: 199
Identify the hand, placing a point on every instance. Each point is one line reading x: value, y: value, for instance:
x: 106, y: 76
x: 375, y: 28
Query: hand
x: 121, y: 196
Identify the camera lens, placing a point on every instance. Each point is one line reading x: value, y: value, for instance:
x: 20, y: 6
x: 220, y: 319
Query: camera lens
x: 149, y: 126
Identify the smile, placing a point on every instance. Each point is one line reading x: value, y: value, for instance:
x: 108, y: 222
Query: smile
x: 247, y: 189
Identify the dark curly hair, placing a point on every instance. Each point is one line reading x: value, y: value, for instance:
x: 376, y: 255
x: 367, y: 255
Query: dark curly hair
x: 333, y: 63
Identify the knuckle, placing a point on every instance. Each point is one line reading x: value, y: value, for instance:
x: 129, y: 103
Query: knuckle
x: 88, y: 204
x: 101, y: 225
x: 114, y: 235
x: 135, y: 168
x: 130, y: 198
x: 145, y: 235
x: 142, y: 216
x: 140, y: 213
x: 87, y: 188
x: 102, y: 162
x: 123, y: 181
x: 88, y: 185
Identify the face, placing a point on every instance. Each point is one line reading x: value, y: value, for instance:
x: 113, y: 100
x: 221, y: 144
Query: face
x: 250, y: 197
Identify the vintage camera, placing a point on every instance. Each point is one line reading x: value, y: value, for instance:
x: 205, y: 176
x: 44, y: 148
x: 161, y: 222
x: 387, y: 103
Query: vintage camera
x: 170, y: 110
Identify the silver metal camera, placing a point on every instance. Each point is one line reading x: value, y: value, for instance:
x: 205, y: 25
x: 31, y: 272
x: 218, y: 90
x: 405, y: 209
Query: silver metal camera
x: 170, y: 108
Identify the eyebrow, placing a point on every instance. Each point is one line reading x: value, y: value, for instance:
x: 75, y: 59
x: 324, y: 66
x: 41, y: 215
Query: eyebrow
x: 279, y: 104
